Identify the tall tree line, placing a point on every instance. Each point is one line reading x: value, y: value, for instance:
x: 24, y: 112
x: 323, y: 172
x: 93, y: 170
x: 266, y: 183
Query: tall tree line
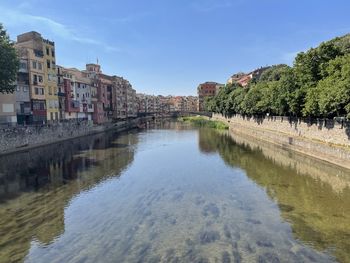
x: 317, y: 85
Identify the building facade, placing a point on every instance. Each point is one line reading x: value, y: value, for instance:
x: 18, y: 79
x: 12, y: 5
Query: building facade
x: 207, y: 90
x: 39, y: 54
x: 8, y: 115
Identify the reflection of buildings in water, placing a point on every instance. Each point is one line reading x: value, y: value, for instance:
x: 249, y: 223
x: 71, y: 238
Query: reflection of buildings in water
x: 36, y: 186
x: 168, y: 124
x: 312, y: 195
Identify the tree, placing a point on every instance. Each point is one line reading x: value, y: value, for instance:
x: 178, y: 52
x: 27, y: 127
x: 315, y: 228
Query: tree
x: 8, y: 63
x: 273, y: 73
x: 334, y: 90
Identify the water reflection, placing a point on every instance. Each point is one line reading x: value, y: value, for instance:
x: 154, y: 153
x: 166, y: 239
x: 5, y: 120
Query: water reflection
x: 312, y: 195
x: 37, y: 186
x: 160, y: 196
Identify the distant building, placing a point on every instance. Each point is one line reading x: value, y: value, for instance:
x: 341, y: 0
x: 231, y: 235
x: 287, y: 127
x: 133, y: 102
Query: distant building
x: 235, y: 78
x: 243, y: 79
x: 205, y: 90
x: 191, y: 104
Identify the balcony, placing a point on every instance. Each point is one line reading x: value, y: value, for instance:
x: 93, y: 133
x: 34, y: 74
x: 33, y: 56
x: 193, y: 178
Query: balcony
x: 61, y: 94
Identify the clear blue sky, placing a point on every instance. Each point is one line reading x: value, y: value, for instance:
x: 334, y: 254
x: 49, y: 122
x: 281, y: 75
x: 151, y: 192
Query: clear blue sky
x: 169, y: 47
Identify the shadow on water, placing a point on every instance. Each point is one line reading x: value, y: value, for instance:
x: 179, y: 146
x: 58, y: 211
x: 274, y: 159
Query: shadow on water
x: 313, y: 196
x: 36, y: 186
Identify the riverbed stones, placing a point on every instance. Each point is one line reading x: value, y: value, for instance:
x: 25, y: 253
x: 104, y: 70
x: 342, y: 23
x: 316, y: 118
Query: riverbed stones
x: 268, y: 258
x: 208, y: 236
x: 225, y: 257
x: 211, y: 209
x: 264, y: 243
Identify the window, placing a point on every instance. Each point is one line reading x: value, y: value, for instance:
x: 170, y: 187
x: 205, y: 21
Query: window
x: 50, y: 90
x: 47, y: 51
x: 25, y: 89
x: 34, y: 64
x: 39, y: 91
x: 48, y: 64
x: 40, y: 78
x: 8, y: 107
x: 52, y: 53
x: 77, y: 95
x: 40, y: 66
x: 23, y: 65
x: 35, y: 79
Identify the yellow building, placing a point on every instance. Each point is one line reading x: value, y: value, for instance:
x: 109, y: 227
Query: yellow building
x: 51, y: 90
x: 41, y: 57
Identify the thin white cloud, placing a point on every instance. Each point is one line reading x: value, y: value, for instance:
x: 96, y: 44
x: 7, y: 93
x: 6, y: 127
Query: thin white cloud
x: 16, y: 18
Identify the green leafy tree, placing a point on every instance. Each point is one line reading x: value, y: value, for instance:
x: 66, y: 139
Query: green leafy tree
x: 318, y: 85
x: 273, y: 73
x: 236, y: 98
x: 250, y: 104
x: 8, y: 63
x: 334, y: 90
x: 311, y: 107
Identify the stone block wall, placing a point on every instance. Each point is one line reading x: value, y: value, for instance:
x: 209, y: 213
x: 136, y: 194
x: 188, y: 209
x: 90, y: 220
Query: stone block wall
x: 16, y: 137
x: 325, y: 130
x: 21, y: 138
x: 318, y: 139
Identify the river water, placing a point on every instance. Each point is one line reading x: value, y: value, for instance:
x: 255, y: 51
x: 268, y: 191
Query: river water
x: 173, y: 193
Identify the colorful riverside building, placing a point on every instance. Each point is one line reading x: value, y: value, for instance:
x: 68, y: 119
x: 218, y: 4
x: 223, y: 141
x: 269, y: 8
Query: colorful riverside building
x: 205, y: 90
x: 39, y: 54
x: 46, y: 92
x: 22, y: 92
x: 7, y: 109
x: 68, y: 104
x: 244, y: 79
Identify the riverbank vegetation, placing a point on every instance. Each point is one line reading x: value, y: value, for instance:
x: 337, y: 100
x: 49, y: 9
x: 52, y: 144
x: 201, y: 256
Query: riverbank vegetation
x: 202, y: 122
x: 317, y: 85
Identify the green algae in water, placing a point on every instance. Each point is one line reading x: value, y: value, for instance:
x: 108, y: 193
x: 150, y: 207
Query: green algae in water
x: 203, y: 122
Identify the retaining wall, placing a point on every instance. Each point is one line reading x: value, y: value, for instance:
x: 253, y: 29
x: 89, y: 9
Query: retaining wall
x: 328, y: 141
x: 22, y: 138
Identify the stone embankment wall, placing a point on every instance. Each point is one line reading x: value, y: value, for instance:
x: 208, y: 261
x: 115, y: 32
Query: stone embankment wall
x: 327, y: 140
x: 22, y: 138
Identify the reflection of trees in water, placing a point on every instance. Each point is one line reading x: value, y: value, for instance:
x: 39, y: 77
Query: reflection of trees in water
x: 36, y: 186
x: 318, y: 214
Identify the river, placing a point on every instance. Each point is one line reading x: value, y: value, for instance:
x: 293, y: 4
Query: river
x: 173, y: 193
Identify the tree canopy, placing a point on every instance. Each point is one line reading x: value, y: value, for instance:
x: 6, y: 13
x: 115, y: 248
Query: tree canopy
x: 8, y: 63
x: 318, y: 85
